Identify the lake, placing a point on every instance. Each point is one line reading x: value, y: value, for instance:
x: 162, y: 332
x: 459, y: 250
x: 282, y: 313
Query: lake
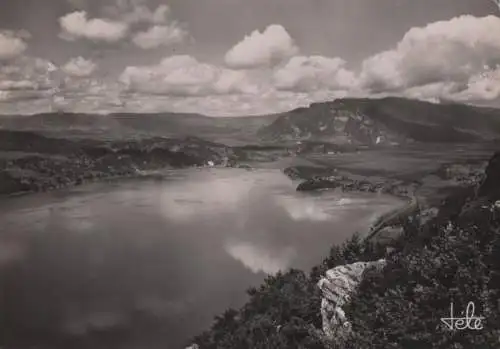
x: 147, y: 263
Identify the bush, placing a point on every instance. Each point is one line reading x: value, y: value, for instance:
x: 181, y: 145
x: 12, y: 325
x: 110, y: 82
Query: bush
x: 454, y: 258
x: 402, y: 307
x: 284, y: 312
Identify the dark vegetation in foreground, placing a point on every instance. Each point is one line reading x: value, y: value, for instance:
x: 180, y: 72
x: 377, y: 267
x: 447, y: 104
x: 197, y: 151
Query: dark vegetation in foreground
x: 455, y: 257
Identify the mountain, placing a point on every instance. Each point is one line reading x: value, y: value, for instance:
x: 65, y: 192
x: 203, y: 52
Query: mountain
x: 388, y: 120
x: 342, y: 121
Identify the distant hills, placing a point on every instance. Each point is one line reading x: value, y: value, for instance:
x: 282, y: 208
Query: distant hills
x: 126, y: 125
x: 344, y: 121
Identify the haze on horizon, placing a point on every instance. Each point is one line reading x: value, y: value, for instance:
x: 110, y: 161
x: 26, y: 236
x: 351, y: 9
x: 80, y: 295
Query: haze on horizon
x: 231, y: 57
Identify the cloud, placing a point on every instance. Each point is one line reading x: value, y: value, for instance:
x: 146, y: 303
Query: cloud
x: 159, y: 35
x: 24, y: 80
x: 481, y: 87
x: 142, y: 14
x: 76, y: 26
x: 183, y: 75
x: 444, y: 51
x: 160, y: 15
x: 125, y: 19
x: 137, y: 12
x: 29, y: 79
x: 162, y: 32
x: 258, y: 49
x: 32, y: 73
x: 12, y: 44
x: 12, y: 85
x: 314, y: 73
x: 457, y: 59
x: 79, y: 67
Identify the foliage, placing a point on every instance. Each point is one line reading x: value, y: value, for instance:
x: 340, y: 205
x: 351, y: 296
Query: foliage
x: 284, y: 312
x: 454, y: 257
x: 402, y: 307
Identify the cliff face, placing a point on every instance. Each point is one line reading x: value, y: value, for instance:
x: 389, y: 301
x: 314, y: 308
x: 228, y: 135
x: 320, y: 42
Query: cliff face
x: 385, y: 121
x: 337, y: 287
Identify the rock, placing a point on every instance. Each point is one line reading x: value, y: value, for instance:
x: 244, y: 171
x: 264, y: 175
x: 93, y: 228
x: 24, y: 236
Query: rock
x: 338, y: 285
x: 428, y: 214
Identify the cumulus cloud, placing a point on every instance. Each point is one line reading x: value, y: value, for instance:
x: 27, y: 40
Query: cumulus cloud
x: 483, y: 86
x: 79, y: 67
x: 258, y: 49
x: 76, y: 25
x: 12, y: 44
x: 159, y: 35
x: 162, y: 32
x: 314, y: 73
x: 26, y: 79
x: 443, y: 51
x: 27, y: 73
x: 142, y: 14
x: 184, y: 76
x: 147, y: 29
x: 457, y: 59
x: 33, y: 85
x: 135, y: 12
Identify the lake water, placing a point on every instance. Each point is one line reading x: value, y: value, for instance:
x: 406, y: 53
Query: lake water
x: 147, y: 263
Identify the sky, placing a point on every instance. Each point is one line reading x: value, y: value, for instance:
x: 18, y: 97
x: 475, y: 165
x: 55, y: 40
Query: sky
x: 237, y: 57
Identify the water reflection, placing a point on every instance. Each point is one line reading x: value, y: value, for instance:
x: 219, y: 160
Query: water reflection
x: 138, y: 264
x: 259, y: 258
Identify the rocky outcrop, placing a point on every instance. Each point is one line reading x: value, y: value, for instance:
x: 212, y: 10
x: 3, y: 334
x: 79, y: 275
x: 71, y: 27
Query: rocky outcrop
x: 337, y: 286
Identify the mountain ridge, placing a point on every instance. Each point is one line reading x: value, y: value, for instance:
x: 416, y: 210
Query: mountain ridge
x: 389, y: 120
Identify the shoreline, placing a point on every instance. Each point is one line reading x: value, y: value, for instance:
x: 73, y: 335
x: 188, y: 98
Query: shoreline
x: 413, y: 274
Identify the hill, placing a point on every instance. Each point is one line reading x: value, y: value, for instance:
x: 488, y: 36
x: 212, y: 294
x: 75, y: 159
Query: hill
x: 385, y: 121
x: 125, y: 125
x: 342, y: 121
